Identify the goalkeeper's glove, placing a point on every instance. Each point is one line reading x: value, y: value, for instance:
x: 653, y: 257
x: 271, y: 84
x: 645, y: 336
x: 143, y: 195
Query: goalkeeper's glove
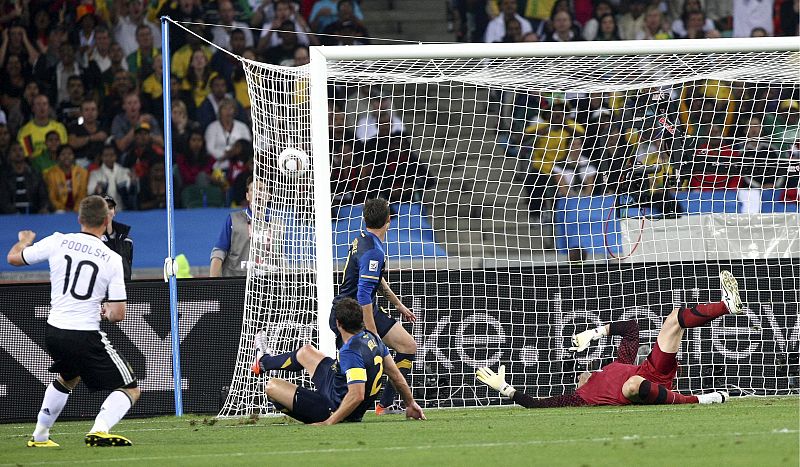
x: 497, y: 381
x: 581, y: 341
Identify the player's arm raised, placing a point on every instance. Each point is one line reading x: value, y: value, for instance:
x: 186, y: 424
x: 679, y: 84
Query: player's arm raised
x: 15, y: 256
x: 413, y: 410
x: 394, y: 300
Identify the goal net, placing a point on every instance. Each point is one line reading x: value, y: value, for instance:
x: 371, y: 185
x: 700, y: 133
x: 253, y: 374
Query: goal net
x: 537, y: 190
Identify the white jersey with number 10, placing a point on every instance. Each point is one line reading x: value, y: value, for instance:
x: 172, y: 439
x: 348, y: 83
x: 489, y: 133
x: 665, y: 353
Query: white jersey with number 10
x: 83, y: 272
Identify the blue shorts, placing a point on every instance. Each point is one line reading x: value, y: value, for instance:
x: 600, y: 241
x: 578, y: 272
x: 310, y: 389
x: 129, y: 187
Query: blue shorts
x: 316, y: 406
x: 383, y: 323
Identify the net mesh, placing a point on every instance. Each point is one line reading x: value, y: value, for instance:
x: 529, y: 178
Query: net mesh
x: 533, y: 197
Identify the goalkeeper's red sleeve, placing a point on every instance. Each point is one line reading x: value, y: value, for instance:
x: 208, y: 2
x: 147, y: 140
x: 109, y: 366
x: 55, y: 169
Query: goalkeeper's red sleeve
x: 629, y: 330
x: 567, y: 400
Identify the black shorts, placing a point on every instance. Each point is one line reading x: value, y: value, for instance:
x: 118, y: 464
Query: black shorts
x: 383, y: 323
x: 316, y: 406
x: 91, y: 356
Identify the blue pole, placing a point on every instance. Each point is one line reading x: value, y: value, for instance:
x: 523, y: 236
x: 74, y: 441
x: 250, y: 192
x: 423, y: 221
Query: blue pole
x: 169, y: 262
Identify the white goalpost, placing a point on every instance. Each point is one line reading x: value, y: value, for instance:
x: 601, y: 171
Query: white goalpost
x: 536, y: 190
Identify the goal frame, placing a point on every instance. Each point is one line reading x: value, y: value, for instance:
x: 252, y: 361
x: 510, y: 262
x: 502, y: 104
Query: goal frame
x: 321, y: 55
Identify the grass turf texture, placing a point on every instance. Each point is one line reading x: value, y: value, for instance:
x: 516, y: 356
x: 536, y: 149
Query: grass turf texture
x: 745, y: 431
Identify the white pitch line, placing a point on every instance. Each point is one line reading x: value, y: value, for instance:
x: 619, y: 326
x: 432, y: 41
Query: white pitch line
x: 512, y: 444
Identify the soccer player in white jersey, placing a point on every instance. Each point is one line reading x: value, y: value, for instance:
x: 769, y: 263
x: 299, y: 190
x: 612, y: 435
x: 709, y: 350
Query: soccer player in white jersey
x: 87, y: 285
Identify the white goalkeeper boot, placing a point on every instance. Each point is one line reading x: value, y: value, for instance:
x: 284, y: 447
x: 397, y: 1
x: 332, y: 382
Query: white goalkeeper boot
x: 730, y: 293
x: 716, y: 397
x: 260, y: 346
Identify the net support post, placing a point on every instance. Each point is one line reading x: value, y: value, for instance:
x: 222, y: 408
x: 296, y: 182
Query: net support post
x: 169, y: 272
x: 318, y: 92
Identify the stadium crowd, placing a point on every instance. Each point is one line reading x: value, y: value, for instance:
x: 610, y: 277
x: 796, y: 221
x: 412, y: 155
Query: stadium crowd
x: 81, y: 95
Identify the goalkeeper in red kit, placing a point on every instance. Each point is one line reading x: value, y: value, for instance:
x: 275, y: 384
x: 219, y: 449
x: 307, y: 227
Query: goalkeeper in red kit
x: 622, y: 382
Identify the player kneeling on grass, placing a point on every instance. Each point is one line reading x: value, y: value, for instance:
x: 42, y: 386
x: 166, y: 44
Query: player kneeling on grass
x: 346, y: 387
x: 622, y: 382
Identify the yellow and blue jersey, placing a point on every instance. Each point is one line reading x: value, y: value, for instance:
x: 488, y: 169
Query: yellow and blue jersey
x: 360, y: 360
x: 363, y: 270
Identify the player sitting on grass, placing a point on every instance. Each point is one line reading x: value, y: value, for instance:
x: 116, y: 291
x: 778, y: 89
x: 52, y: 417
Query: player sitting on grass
x: 347, y: 386
x: 622, y: 382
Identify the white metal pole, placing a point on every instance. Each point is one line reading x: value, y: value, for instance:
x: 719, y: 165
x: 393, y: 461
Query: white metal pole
x: 548, y: 49
x: 318, y: 92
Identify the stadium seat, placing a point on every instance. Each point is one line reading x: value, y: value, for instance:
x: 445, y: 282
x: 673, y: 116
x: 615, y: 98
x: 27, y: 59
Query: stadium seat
x: 708, y: 202
x: 772, y: 202
x: 196, y: 196
x: 580, y: 222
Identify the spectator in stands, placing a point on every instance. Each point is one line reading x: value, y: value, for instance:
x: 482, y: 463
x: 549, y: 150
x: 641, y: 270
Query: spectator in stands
x: 84, y: 36
x: 70, y: 110
x: 125, y: 124
x: 575, y: 175
x: 195, y: 165
x: 631, y: 22
x: 112, y: 179
x: 117, y: 236
x: 788, y: 21
x: 749, y: 15
x: 153, y: 188
x: 496, y: 29
x: 40, y: 27
x: 563, y: 30
x: 654, y: 25
x: 12, y: 87
x: 88, y: 135
x: 182, y: 57
x: 32, y: 135
x: 367, y: 125
x: 470, y: 20
x: 696, y: 26
x: 100, y: 51
x: 56, y: 78
x: 347, y: 25
x: 125, y: 26
x: 325, y: 12
x: 144, y: 151
x: 513, y: 31
x: 185, y: 11
x: 601, y: 8
x: 198, y: 77
x: 608, y: 29
x: 301, y: 56
x: 284, y: 12
x: 23, y: 190
x: 225, y: 64
x: 113, y: 102
x: 117, y: 63
x: 408, y: 175
x: 241, y: 160
x: 228, y: 24
x: 282, y: 54
x: 759, y: 32
x: 48, y: 157
x: 181, y: 124
x: 239, y: 82
x: 754, y: 147
x: 785, y: 126
x: 553, y: 136
x: 5, y: 142
x: 209, y: 108
x: 344, y: 173
x: 15, y: 42
x: 66, y: 182
x: 714, y: 167
x: 153, y: 89
x: 140, y: 61
x: 223, y: 132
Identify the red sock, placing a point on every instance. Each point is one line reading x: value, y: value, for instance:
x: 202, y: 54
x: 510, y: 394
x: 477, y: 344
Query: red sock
x: 701, y: 314
x: 651, y: 393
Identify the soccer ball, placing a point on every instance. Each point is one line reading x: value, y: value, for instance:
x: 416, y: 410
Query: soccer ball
x: 293, y: 161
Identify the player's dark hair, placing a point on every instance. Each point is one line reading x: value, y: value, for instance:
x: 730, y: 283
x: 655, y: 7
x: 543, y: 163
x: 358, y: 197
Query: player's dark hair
x: 376, y: 213
x: 93, y: 211
x: 349, y: 315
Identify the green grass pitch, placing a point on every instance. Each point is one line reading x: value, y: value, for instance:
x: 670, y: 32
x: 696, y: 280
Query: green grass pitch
x: 745, y: 431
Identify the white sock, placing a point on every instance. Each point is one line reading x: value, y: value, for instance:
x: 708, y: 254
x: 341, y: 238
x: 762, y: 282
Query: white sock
x: 113, y: 409
x: 54, y: 401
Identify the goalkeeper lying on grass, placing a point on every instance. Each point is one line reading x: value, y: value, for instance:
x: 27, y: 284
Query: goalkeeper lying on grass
x: 622, y: 382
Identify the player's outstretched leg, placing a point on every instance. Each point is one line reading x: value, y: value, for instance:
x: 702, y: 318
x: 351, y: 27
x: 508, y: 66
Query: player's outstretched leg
x: 113, y: 409
x: 55, y: 398
x: 702, y: 314
x: 265, y: 361
x: 641, y: 391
